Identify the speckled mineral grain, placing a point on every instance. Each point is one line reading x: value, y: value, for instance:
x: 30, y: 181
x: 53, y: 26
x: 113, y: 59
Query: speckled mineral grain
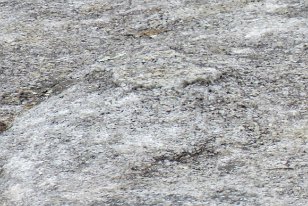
x: 143, y: 102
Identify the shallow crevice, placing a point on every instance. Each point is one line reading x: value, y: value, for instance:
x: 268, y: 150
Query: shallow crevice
x: 188, y: 155
x: 205, y: 149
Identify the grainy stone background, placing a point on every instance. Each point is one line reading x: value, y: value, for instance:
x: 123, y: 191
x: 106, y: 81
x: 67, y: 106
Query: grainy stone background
x: 143, y: 102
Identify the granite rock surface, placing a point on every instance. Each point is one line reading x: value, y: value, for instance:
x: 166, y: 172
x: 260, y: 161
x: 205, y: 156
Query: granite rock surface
x: 143, y: 102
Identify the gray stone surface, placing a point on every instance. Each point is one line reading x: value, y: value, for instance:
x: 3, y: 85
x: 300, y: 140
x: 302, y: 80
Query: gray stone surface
x: 141, y: 102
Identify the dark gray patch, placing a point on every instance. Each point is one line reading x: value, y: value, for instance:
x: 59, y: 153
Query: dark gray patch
x: 101, y: 79
x: 3, y: 126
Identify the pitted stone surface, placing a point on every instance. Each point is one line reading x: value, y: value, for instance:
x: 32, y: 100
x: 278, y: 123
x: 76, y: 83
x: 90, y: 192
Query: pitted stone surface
x: 147, y: 102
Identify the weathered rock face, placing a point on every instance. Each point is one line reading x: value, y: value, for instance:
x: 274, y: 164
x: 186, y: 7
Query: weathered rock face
x: 153, y: 102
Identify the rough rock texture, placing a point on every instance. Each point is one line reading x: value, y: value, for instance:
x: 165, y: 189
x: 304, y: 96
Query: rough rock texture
x: 143, y: 102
